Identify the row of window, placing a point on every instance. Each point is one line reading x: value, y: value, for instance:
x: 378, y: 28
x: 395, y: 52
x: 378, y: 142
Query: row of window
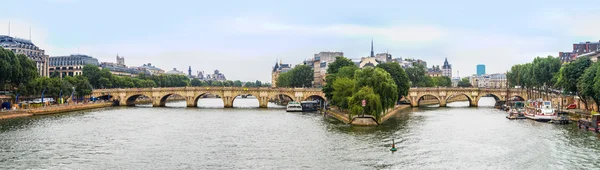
x: 66, y: 68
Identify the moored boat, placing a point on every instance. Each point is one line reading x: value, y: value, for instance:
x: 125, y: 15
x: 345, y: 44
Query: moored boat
x: 309, y: 106
x: 591, y: 123
x: 294, y: 107
x: 561, y: 118
x: 517, y: 111
x: 540, y: 111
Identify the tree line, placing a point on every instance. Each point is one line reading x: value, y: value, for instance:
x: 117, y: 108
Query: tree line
x: 299, y: 76
x: 417, y: 74
x: 580, y: 77
x: 20, y: 75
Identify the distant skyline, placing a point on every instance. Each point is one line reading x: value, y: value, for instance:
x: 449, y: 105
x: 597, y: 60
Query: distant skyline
x: 244, y: 39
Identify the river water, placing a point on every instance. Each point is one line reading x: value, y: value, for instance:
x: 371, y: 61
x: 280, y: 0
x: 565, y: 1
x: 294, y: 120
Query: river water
x: 252, y: 138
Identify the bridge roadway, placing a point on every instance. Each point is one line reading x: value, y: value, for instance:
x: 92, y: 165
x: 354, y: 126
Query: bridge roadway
x: 158, y: 96
x: 442, y: 94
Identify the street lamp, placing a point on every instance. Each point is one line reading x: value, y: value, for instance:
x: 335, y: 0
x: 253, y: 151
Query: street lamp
x: 73, y: 92
x: 43, y: 97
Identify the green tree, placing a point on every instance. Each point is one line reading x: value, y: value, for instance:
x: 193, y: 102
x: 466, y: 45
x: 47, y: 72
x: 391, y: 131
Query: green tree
x: 302, y: 76
x: 284, y: 80
x: 585, y: 84
x: 418, y: 77
x: 544, y: 71
x: 216, y: 83
x: 381, y: 82
x: 332, y: 70
x: 251, y: 84
x: 569, y: 74
x: 196, y: 82
x: 258, y: 83
x: 228, y: 83
x: 15, y: 70
x: 237, y: 83
x: 373, y: 103
x: 343, y: 90
x: 399, y: 76
x: 339, y: 63
x: 442, y: 81
x: 464, y: 82
x: 92, y: 73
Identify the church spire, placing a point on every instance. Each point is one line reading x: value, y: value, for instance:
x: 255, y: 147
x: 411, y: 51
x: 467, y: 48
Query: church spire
x: 190, y: 71
x: 372, y: 52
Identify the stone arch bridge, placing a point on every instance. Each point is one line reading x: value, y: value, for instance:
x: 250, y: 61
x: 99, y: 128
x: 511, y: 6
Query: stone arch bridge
x: 159, y: 96
x: 473, y: 94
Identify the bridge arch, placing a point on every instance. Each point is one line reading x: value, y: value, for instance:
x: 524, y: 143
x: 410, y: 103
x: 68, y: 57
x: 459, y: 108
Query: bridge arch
x: 315, y: 96
x: 196, y: 98
x: 106, y: 97
x: 517, y: 98
x: 418, y: 99
x: 131, y: 99
x: 291, y: 96
x: 242, y: 93
x: 459, y: 94
x: 497, y: 97
x: 163, y: 99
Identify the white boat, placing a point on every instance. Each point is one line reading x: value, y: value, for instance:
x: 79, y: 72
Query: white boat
x: 540, y: 111
x: 294, y: 107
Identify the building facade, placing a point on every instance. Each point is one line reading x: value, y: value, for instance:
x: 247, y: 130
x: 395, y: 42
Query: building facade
x: 579, y: 49
x: 175, y: 72
x: 277, y: 70
x: 497, y: 80
x: 319, y: 63
x: 71, y: 65
x: 26, y: 47
x: 120, y: 69
x: 447, y: 69
x: 153, y: 70
x: 434, y: 71
x: 480, y: 69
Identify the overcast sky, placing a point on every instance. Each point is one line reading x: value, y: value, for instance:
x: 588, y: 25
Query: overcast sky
x: 244, y: 38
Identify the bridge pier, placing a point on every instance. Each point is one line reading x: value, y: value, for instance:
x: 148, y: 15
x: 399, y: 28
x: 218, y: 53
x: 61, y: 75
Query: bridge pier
x: 263, y: 102
x: 227, y: 101
x: 190, y: 102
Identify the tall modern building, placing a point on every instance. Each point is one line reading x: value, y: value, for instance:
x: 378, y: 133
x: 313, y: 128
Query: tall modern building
x: 71, y: 65
x: 480, y: 69
x: 26, y: 47
x: 447, y: 69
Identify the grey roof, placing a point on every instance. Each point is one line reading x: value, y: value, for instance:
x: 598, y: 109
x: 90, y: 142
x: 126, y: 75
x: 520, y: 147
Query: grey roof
x: 77, y: 59
x: 112, y: 67
x: 6, y: 41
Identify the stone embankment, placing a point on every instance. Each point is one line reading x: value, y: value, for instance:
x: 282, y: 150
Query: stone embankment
x: 368, y: 120
x: 51, y: 110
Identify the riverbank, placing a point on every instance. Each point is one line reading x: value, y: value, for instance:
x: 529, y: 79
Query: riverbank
x: 51, y: 110
x: 365, y: 121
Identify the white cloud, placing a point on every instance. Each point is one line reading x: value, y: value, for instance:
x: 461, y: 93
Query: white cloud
x: 404, y: 34
x: 583, y: 23
x: 62, y: 1
x: 39, y: 35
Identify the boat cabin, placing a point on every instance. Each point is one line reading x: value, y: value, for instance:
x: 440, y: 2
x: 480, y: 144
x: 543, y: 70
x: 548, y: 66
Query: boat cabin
x: 591, y: 122
x: 310, y: 106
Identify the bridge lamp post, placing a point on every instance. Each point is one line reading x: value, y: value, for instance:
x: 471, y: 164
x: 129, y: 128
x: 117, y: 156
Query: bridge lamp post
x: 73, y: 92
x: 43, y: 97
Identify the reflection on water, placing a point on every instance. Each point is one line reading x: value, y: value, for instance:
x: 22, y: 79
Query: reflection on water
x: 254, y: 138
